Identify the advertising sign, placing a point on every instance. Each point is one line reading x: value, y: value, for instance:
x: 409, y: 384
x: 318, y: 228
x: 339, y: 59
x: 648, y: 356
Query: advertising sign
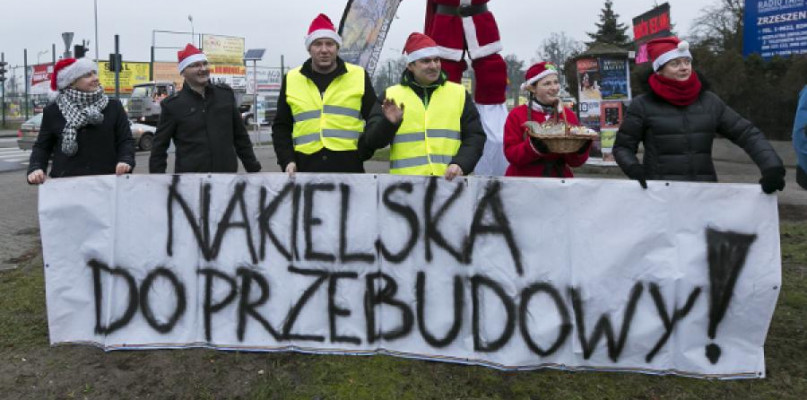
x: 268, y: 79
x: 40, y: 78
x: 467, y: 271
x: 223, y: 49
x: 614, y: 78
x: 775, y: 27
x: 226, y: 57
x: 650, y: 25
x: 588, y: 79
x: 132, y: 73
x: 603, y: 84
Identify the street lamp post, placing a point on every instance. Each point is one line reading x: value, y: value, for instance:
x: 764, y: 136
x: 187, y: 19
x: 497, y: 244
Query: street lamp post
x: 193, y: 35
x: 39, y: 54
x: 95, y: 5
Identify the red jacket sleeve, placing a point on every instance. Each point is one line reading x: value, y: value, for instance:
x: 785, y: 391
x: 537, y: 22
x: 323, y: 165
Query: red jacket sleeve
x: 517, y: 147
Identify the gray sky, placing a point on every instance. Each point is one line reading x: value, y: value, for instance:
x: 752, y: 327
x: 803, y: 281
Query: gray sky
x: 280, y: 25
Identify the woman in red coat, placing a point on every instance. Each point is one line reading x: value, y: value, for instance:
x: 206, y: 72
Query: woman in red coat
x: 529, y: 156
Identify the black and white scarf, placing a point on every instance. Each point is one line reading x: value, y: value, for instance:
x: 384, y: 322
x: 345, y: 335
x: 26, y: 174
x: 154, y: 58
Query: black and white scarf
x: 79, y: 109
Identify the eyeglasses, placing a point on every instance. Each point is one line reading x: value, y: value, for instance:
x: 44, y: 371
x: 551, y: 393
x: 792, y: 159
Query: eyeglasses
x: 680, y: 62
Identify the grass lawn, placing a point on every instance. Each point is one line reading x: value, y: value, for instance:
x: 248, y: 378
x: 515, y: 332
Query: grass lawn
x: 32, y: 369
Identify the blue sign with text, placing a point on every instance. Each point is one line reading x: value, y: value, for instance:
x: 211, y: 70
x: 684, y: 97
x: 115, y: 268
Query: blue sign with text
x: 775, y: 27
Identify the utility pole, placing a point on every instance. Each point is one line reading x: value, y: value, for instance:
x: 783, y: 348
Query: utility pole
x: 117, y: 70
x: 95, y: 4
x: 25, y: 70
x: 3, y: 86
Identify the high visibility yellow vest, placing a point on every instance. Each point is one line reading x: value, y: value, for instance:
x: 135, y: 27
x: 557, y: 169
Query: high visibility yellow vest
x: 429, y: 136
x: 332, y: 120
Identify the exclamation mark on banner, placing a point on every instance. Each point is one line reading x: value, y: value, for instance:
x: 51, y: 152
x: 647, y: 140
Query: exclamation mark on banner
x: 726, y: 251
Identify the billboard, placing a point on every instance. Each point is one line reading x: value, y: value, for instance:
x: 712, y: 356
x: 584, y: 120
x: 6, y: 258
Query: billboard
x: 775, y: 27
x: 132, y: 73
x: 223, y: 49
x: 650, y: 25
x: 226, y: 57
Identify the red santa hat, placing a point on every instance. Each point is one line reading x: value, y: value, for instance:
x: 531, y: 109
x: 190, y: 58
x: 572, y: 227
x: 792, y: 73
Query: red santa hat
x: 189, y: 55
x: 420, y: 46
x: 537, y: 72
x: 67, y: 70
x: 322, y: 27
x: 662, y: 50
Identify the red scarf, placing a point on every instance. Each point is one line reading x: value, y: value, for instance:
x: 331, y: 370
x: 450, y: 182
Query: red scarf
x: 679, y: 93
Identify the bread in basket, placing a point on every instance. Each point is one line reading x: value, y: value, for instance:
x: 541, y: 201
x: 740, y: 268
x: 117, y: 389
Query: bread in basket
x: 559, y: 136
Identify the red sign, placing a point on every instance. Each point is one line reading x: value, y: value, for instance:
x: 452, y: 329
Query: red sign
x: 40, y: 78
x: 653, y: 25
x: 41, y: 73
x: 650, y: 25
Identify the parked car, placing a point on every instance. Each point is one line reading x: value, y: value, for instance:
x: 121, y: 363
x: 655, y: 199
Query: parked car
x: 144, y: 104
x: 247, y: 114
x: 270, y: 107
x: 143, y: 135
x: 29, y: 130
x: 26, y: 135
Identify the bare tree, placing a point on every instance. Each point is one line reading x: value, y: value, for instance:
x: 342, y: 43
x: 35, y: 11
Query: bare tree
x: 558, y: 48
x: 720, y: 26
x: 389, y: 73
x: 515, y: 75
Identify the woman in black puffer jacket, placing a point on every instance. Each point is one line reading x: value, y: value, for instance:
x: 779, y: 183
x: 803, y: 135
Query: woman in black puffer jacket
x: 677, y: 120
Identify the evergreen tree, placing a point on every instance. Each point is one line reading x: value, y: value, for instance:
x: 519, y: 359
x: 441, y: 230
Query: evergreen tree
x: 609, y: 29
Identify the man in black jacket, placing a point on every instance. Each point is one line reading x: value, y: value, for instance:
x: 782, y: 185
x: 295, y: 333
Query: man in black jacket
x: 203, y: 121
x: 321, y: 108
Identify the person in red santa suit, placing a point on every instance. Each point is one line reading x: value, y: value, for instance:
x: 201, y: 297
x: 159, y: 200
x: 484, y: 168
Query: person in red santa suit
x: 530, y: 156
x: 466, y: 25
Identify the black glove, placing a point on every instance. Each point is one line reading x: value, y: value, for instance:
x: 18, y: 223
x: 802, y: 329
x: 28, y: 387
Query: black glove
x: 636, y: 172
x: 773, y: 179
x: 539, y: 145
x: 253, y: 166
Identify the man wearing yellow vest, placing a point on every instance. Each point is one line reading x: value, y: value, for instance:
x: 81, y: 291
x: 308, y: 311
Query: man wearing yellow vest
x: 321, y: 108
x: 432, y: 123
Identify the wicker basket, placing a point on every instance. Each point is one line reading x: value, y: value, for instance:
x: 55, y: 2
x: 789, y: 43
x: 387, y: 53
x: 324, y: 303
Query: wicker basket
x: 559, y: 142
x: 563, y: 144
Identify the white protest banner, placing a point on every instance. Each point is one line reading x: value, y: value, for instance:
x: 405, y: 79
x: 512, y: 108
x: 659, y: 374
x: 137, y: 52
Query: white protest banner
x: 577, y: 274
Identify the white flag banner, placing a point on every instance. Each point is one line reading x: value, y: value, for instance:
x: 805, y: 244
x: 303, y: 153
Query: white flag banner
x: 576, y: 274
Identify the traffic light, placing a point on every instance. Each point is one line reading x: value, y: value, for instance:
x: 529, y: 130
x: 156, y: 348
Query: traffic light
x: 79, y: 51
x: 3, y: 71
x: 115, y: 62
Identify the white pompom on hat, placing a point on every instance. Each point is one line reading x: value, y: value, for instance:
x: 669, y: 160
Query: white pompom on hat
x: 67, y: 70
x: 322, y: 27
x: 662, y: 50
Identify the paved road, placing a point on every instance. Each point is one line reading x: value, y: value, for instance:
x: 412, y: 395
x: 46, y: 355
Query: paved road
x: 19, y: 225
